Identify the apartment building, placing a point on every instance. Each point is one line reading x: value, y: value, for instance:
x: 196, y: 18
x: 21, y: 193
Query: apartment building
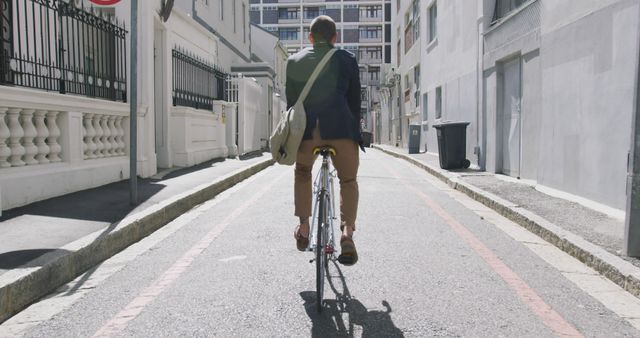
x: 364, y: 28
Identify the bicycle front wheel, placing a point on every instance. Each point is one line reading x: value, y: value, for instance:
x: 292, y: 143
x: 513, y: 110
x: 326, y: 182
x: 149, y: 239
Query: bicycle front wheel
x: 320, y: 250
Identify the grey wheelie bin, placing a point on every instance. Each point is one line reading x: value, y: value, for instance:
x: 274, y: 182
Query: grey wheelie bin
x: 452, y: 144
x: 414, y: 139
x: 366, y: 138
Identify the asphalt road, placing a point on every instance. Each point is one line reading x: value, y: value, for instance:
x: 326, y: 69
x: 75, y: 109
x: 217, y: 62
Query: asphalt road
x: 429, y: 266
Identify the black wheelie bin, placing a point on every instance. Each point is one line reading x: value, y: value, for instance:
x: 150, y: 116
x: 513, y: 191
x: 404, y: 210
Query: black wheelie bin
x: 452, y: 145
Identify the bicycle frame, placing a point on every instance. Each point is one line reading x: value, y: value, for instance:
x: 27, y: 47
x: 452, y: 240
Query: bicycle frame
x: 323, y: 182
x: 322, y: 236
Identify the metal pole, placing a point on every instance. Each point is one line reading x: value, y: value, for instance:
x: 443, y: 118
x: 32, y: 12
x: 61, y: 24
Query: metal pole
x: 632, y: 219
x: 133, y: 107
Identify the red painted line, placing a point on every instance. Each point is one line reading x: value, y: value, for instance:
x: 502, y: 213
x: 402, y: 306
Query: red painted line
x: 134, y: 308
x: 552, y: 319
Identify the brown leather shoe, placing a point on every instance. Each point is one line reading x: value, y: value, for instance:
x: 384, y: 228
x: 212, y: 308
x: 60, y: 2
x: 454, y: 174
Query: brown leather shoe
x: 302, y: 243
x: 348, y: 255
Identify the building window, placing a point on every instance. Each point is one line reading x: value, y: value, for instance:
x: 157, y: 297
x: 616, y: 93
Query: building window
x: 438, y: 102
x: 504, y: 7
x: 313, y: 12
x: 221, y: 7
x: 370, y: 53
x: 288, y: 13
x: 374, y: 74
x: 371, y: 12
x: 398, y: 52
x: 433, y: 20
x: 371, y: 32
x: 288, y: 34
x: 408, y: 37
x: 244, y: 22
x: 407, y: 88
x: 425, y: 107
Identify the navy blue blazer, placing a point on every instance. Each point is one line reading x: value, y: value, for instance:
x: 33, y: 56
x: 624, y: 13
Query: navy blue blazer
x: 334, y: 98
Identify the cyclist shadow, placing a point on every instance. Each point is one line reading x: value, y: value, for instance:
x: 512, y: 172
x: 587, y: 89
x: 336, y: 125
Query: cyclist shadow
x: 332, y: 322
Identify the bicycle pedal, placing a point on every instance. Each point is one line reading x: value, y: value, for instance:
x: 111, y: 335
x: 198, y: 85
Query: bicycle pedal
x: 329, y: 250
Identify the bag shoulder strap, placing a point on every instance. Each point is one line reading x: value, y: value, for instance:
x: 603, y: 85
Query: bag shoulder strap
x: 314, y: 75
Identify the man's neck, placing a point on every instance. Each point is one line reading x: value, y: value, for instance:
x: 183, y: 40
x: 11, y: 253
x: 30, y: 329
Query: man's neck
x: 322, y: 44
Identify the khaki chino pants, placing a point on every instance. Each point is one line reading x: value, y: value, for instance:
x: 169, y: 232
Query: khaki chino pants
x: 346, y: 162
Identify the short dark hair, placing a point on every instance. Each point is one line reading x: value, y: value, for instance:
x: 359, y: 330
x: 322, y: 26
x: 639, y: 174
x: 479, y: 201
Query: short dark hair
x: 323, y: 28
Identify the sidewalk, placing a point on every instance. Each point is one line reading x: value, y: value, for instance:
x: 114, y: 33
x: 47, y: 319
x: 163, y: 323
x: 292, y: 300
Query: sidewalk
x: 48, y: 243
x: 590, y: 236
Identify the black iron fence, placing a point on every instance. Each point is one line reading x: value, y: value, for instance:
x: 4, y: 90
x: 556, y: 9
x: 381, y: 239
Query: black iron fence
x: 196, y: 83
x: 55, y: 46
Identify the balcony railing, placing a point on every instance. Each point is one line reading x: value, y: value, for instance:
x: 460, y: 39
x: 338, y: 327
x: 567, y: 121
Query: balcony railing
x: 55, y: 46
x: 370, y: 39
x: 364, y: 18
x: 196, y: 83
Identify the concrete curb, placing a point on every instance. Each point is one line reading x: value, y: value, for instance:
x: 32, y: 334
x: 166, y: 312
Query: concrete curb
x: 616, y: 269
x: 21, y: 287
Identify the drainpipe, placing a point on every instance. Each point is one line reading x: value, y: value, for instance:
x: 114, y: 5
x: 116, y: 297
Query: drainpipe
x: 632, y: 218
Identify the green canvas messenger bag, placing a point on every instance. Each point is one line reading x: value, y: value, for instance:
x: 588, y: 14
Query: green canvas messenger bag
x: 287, y: 136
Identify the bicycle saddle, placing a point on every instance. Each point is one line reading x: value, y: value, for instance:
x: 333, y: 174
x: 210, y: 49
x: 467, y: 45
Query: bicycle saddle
x: 324, y: 151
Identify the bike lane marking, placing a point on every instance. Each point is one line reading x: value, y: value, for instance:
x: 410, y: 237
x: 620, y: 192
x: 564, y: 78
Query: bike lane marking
x: 136, y: 306
x: 611, y: 295
x: 552, y: 319
x: 67, y: 295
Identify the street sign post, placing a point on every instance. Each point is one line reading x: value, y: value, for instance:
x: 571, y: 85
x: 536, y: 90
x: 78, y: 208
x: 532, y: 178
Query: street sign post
x: 632, y: 218
x: 133, y: 107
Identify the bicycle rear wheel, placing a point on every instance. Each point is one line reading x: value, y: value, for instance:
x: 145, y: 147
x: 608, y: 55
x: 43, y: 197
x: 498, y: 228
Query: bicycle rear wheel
x: 320, y: 250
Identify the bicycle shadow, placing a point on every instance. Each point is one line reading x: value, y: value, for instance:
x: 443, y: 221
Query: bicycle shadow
x: 332, y: 323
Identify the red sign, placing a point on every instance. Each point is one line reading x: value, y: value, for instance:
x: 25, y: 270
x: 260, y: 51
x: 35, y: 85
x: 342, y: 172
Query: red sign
x: 105, y: 2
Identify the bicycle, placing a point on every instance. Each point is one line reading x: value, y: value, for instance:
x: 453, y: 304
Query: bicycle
x: 322, y: 228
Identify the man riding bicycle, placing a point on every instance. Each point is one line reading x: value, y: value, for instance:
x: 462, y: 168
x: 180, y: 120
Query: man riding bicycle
x: 333, y: 119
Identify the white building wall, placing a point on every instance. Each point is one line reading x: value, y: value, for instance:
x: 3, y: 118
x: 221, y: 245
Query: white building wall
x: 588, y: 62
x: 232, y: 30
x: 450, y: 61
x: 252, y: 117
x: 578, y: 64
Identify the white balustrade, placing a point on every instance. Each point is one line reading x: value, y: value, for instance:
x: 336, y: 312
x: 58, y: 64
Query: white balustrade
x: 16, y: 133
x: 98, y: 138
x: 103, y: 136
x: 52, y: 140
x: 120, y: 140
x: 30, y: 133
x: 32, y: 137
x: 114, y: 135
x: 89, y: 134
x: 106, y: 135
x: 42, y: 134
x: 5, y: 151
